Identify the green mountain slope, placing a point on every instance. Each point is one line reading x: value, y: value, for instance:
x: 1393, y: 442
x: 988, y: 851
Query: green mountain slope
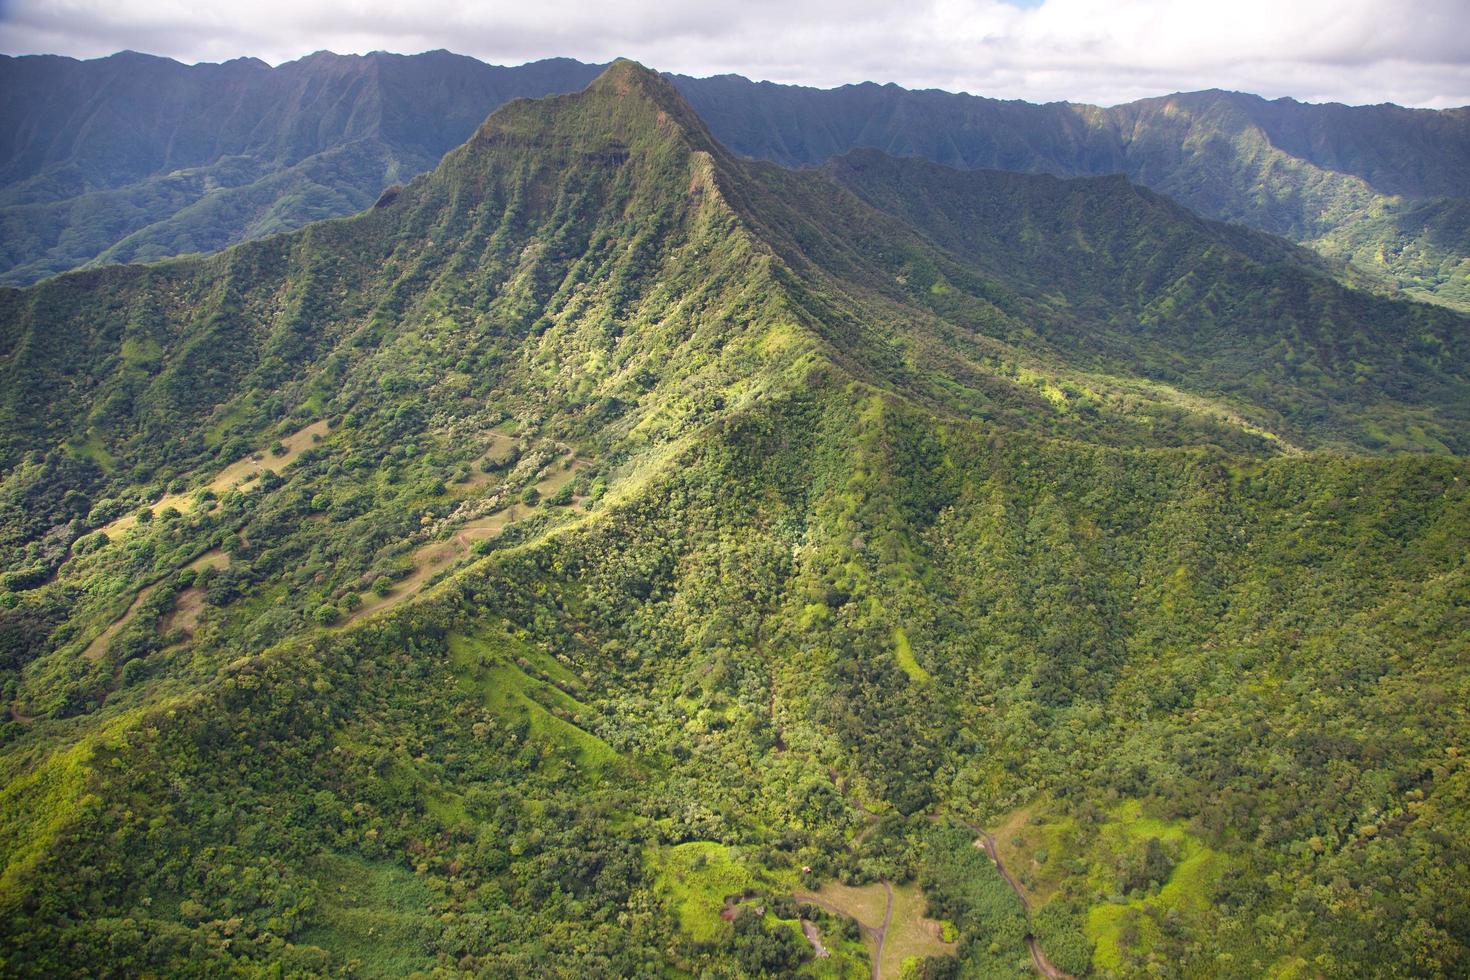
x: 132, y: 158
x: 1207, y: 306
x: 603, y: 542
x: 1367, y: 184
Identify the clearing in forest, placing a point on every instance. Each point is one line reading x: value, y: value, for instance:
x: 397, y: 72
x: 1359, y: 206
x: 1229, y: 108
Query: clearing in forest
x: 1185, y: 891
x: 187, y: 606
x: 522, y: 685
x: 502, y: 444
x: 101, y: 641
x: 699, y: 880
x: 903, y: 651
x: 374, y: 913
x: 190, y: 603
x: 892, y: 919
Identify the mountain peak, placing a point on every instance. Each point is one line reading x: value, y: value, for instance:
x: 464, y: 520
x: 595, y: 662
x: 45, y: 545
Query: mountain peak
x: 626, y: 105
x: 625, y: 75
x: 625, y: 79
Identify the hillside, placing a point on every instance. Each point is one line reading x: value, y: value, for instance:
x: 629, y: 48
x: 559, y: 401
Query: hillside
x: 608, y: 556
x: 1213, y: 308
x: 131, y: 158
x: 1374, y: 185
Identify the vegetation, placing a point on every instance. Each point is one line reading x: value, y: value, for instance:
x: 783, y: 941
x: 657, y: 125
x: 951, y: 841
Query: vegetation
x: 867, y: 547
x: 166, y: 167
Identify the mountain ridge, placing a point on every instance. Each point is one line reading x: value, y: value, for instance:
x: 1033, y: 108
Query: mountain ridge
x: 568, y: 563
x: 1334, y: 185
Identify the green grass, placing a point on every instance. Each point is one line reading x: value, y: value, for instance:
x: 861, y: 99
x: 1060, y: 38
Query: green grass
x: 905, y: 654
x: 779, y: 500
x: 1185, y: 892
x: 373, y: 912
x: 910, y: 931
x: 487, y: 665
x: 141, y: 351
x: 33, y: 811
x: 694, y: 879
x: 92, y: 448
x: 241, y: 410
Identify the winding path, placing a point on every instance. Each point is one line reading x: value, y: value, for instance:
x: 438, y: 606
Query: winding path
x: 1043, y: 965
x: 883, y: 932
x: 878, y: 933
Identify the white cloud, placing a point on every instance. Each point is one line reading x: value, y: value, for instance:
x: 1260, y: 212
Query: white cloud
x: 1414, y: 52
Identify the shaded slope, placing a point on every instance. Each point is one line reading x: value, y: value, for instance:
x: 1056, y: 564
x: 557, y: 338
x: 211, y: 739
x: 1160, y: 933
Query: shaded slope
x: 1208, y: 306
x: 1320, y: 174
x: 1413, y: 152
x: 611, y: 228
x: 134, y: 158
x: 577, y: 253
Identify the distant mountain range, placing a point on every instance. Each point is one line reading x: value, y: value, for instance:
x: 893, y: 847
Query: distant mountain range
x: 133, y: 158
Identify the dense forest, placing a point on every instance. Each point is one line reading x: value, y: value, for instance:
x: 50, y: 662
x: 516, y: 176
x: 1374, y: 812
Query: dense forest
x: 606, y: 555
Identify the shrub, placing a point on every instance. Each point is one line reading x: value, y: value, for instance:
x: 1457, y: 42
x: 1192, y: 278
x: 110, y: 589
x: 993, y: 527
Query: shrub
x: 104, y: 510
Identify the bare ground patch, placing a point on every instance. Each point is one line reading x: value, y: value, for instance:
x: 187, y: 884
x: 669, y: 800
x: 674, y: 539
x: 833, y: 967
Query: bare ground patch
x: 237, y: 473
x: 434, y: 557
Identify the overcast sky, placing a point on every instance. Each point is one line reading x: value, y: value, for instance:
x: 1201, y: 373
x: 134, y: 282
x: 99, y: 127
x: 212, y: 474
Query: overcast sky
x: 1413, y: 52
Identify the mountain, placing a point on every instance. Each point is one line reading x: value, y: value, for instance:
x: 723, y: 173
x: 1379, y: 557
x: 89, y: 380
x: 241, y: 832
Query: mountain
x: 131, y: 158
x: 610, y: 556
x: 1380, y: 186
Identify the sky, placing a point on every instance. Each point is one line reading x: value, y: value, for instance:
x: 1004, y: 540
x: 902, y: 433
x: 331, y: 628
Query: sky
x: 1413, y: 52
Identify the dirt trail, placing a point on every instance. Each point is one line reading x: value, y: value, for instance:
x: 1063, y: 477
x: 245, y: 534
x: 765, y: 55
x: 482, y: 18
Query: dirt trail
x: 501, y: 445
x: 99, y: 644
x: 814, y: 936
x: 879, y: 934
x: 883, y: 932
x: 214, y: 558
x: 240, y: 471
x: 185, y: 613
x: 432, y: 558
x: 1043, y: 965
x: 190, y: 602
x: 987, y: 842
